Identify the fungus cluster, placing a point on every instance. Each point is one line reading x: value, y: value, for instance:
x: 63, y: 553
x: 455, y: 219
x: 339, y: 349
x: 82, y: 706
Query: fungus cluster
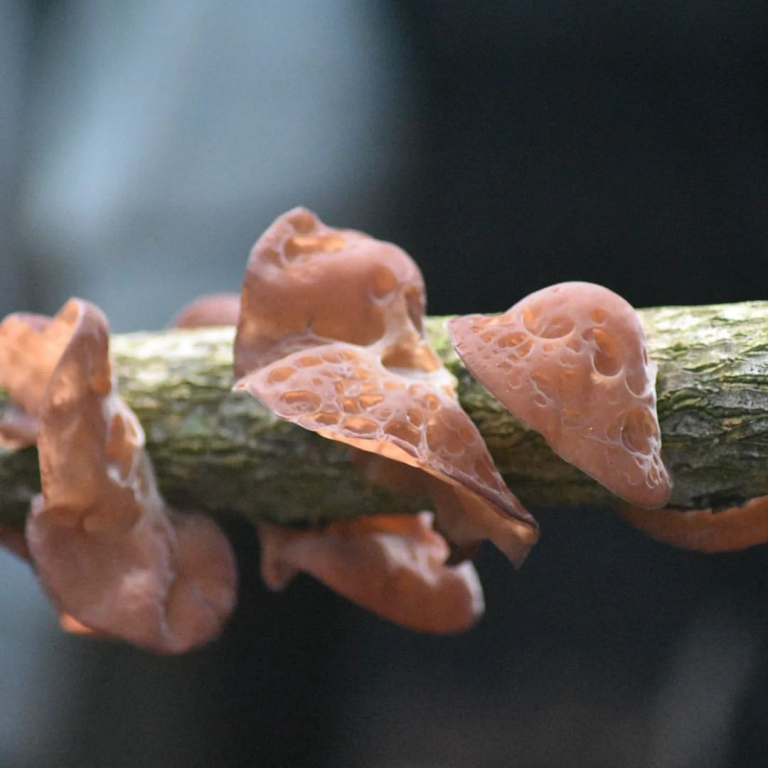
x: 115, y: 559
x: 330, y: 337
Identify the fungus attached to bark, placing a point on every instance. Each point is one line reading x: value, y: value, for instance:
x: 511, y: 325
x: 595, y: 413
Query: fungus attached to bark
x: 705, y: 530
x: 331, y: 338
x: 570, y: 361
x: 307, y: 284
x: 30, y: 346
x: 105, y: 546
x: 393, y: 565
x: 12, y: 538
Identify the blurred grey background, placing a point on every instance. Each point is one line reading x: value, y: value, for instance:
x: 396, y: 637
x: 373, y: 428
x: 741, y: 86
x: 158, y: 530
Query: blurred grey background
x: 143, y: 148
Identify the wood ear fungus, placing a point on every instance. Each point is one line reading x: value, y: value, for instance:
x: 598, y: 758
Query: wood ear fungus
x: 571, y: 362
x: 112, y: 555
x: 331, y: 338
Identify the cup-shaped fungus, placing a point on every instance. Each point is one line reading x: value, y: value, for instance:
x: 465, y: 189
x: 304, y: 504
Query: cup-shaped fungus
x: 105, y: 546
x: 331, y: 338
x: 705, y: 530
x: 570, y: 361
x: 393, y: 565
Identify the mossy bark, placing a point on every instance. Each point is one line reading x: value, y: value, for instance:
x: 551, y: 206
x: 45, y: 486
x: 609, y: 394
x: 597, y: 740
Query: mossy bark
x: 218, y: 450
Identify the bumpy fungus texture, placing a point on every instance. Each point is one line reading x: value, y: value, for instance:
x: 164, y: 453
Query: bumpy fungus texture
x: 112, y: 555
x: 330, y: 337
x: 210, y: 310
x: 307, y: 284
x: 570, y: 361
x: 706, y: 530
x: 393, y: 565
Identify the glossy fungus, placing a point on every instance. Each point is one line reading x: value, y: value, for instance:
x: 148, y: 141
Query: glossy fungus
x: 393, y: 565
x: 331, y: 338
x: 30, y: 347
x: 111, y: 554
x: 307, y: 284
x: 706, y: 530
x: 570, y: 361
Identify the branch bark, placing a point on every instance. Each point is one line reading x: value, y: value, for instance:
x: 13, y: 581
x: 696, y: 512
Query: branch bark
x: 218, y: 450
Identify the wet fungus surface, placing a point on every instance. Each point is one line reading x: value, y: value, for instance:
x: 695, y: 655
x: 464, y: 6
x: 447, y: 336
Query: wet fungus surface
x: 570, y: 361
x: 30, y: 347
x: 331, y: 338
x: 705, y: 530
x: 394, y: 565
x: 114, y: 558
x: 343, y: 354
x: 307, y: 284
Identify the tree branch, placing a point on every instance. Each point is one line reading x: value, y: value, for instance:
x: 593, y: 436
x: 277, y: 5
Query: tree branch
x: 218, y: 450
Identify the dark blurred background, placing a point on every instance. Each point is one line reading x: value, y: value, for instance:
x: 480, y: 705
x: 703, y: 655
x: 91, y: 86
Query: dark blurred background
x: 144, y: 145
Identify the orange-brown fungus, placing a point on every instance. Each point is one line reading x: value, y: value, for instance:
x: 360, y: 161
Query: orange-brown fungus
x: 331, y: 338
x: 706, y: 530
x: 209, y: 310
x: 100, y: 537
x: 393, y: 565
x: 30, y: 346
x: 570, y: 361
x: 350, y: 396
x: 308, y: 284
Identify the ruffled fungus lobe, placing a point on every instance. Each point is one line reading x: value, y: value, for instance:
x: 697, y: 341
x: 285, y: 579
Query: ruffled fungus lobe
x: 101, y: 539
x: 209, y: 310
x: 706, y: 530
x: 307, y: 284
x: 393, y: 565
x: 330, y: 337
x: 30, y: 346
x: 570, y: 361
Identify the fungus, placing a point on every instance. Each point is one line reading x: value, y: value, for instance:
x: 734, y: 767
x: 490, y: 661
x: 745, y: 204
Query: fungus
x: 112, y: 555
x: 705, y: 530
x: 570, y: 361
x: 209, y: 310
x: 30, y: 346
x: 307, y: 284
x: 330, y: 337
x: 394, y: 565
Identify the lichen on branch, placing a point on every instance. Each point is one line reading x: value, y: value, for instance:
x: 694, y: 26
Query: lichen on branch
x: 215, y: 449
